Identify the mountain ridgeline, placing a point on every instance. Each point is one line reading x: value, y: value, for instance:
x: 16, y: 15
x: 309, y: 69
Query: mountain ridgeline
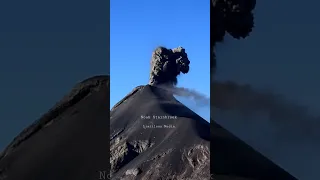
x: 152, y: 136
x: 67, y: 142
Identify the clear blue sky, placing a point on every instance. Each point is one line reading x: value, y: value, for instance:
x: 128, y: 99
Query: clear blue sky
x: 138, y: 27
x: 46, y: 47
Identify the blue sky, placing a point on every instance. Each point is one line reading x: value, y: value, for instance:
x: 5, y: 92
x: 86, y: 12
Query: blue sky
x: 44, y: 54
x: 138, y: 27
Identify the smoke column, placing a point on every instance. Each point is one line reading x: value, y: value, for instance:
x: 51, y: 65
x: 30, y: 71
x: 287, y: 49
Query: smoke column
x: 234, y: 17
x: 166, y: 65
x: 283, y: 131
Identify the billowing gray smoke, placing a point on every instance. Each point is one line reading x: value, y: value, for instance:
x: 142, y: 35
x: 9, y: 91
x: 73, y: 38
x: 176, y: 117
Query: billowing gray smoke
x: 285, y: 132
x: 282, y: 130
x: 234, y: 17
x: 166, y: 65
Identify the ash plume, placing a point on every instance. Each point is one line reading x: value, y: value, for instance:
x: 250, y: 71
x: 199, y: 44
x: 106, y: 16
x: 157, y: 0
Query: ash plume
x: 167, y: 64
x: 282, y: 130
x: 234, y: 17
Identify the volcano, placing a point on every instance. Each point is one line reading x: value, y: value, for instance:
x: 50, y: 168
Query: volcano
x: 152, y: 136
x: 68, y: 142
x: 232, y: 159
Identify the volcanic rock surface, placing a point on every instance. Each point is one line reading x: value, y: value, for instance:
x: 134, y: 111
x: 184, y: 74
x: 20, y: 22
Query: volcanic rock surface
x: 154, y: 136
x: 143, y: 148
x: 68, y: 142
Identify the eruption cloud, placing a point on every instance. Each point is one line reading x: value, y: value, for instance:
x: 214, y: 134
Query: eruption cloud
x: 283, y: 131
x: 166, y: 65
x: 234, y: 17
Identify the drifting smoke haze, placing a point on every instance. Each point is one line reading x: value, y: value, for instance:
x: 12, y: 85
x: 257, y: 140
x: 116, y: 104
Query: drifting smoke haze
x: 198, y: 98
x: 296, y: 120
x: 284, y: 131
x: 196, y: 101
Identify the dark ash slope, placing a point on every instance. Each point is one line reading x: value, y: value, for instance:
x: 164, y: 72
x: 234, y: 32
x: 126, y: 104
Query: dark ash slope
x: 137, y: 152
x: 68, y: 142
x: 231, y: 157
x: 180, y: 152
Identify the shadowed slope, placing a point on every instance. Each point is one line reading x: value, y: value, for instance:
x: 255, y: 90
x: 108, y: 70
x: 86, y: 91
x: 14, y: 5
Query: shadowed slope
x: 145, y: 146
x: 68, y: 142
x: 232, y: 157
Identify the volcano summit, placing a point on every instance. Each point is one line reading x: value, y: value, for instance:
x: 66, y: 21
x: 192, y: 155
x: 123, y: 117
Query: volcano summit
x: 154, y: 136
x: 176, y: 146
